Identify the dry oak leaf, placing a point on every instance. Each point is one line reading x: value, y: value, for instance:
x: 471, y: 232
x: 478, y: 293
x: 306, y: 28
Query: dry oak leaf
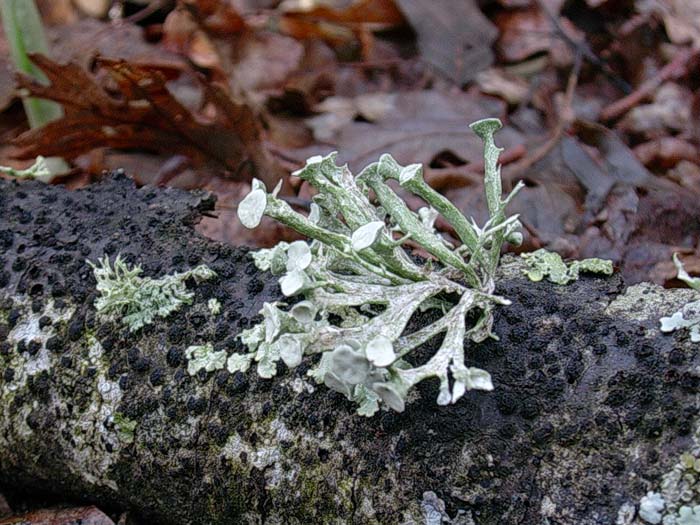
x: 143, y: 115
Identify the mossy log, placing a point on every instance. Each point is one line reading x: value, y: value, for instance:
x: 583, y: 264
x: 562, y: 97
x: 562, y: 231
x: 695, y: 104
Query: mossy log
x: 591, y: 407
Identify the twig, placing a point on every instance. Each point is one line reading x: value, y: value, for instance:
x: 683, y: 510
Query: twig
x: 675, y: 68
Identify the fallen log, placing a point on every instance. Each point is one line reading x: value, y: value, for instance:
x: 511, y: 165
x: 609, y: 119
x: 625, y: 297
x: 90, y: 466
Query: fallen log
x: 592, y: 406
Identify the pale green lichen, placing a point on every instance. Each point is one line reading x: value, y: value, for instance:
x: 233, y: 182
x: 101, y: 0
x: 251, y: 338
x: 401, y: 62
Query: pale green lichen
x: 136, y: 301
x: 125, y: 427
x: 677, y: 502
x: 360, y: 287
x: 543, y: 263
x: 214, y: 306
x: 688, y: 316
x: 203, y: 357
x: 39, y: 169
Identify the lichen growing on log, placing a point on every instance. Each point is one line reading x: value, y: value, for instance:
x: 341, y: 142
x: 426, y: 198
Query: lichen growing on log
x: 592, y: 404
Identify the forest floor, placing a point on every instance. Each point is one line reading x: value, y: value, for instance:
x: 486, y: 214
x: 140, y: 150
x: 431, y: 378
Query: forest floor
x: 599, y: 100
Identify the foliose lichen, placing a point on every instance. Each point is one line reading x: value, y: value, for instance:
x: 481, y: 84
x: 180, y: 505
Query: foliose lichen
x: 688, y: 316
x: 203, y: 357
x: 543, y: 263
x: 136, y: 301
x: 359, y: 287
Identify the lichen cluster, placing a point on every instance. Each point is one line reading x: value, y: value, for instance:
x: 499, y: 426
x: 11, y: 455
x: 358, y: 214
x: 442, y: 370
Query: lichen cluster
x: 137, y: 300
x: 688, y: 316
x: 543, y: 263
x: 359, y: 287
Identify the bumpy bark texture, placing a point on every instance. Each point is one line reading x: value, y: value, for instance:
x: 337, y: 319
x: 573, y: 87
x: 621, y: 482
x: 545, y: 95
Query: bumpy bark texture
x: 592, y: 404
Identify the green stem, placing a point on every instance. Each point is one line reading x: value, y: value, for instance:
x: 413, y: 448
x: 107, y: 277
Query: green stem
x: 25, y: 34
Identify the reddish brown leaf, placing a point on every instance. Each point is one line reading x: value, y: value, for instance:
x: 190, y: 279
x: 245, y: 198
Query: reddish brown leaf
x: 144, y: 115
x: 74, y: 516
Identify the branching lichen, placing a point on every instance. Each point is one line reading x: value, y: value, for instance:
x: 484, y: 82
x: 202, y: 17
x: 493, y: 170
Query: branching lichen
x: 136, y: 300
x: 688, y: 316
x: 542, y: 263
x: 360, y: 287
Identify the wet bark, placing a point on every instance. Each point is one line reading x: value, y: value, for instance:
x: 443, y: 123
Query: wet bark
x: 591, y: 407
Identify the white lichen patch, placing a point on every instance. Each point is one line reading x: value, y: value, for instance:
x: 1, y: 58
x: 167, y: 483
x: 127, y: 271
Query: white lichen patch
x: 203, y: 357
x: 93, y: 444
x: 96, y: 443
x: 645, y: 300
x: 28, y: 329
x: 677, y: 498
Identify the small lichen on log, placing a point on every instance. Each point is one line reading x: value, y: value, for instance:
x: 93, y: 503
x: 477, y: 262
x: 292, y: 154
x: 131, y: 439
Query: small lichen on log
x: 688, y: 316
x: 360, y: 288
x: 136, y: 300
x: 543, y: 263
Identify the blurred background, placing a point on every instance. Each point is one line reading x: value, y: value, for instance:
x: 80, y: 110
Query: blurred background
x: 599, y: 99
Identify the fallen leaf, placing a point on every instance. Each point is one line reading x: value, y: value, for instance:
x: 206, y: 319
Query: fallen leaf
x: 687, y: 174
x: 669, y: 111
x: 619, y: 161
x: 523, y: 33
x: 665, y: 152
x: 681, y: 20
x: 342, y: 24
x: 145, y: 115
x: 74, y: 516
x: 88, y: 38
x: 455, y: 37
x: 495, y: 81
x: 414, y: 127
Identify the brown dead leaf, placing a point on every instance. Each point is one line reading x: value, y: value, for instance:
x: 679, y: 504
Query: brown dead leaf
x: 524, y: 32
x: 666, y: 152
x: 74, y: 516
x: 681, y: 20
x: 412, y: 126
x: 687, y: 175
x: 218, y: 17
x: 669, y: 111
x: 455, y: 37
x: 144, y: 115
x: 88, y: 38
x: 339, y: 26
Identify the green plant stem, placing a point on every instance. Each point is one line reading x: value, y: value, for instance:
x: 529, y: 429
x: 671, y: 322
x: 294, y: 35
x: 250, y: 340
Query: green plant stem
x: 25, y: 34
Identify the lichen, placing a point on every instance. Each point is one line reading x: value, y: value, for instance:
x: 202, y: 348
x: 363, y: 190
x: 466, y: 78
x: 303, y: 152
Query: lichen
x: 688, y: 316
x: 136, y: 301
x: 542, y: 263
x: 203, y: 357
x: 125, y: 427
x: 360, y: 287
x: 214, y: 306
x: 39, y: 169
x: 677, y: 502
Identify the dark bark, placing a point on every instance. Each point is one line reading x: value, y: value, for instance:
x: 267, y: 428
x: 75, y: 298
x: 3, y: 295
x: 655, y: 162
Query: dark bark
x: 592, y: 404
